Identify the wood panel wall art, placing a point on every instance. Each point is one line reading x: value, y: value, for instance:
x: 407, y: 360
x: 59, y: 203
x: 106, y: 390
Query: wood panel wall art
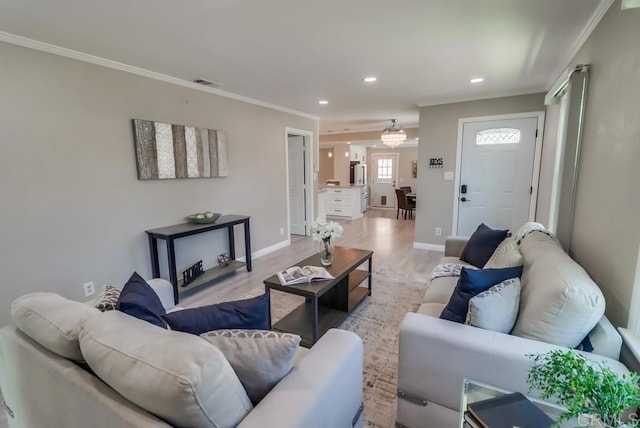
x: 165, y: 151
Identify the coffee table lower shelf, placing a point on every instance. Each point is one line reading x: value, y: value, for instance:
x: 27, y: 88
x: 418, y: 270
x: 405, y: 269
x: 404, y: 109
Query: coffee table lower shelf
x: 300, y: 322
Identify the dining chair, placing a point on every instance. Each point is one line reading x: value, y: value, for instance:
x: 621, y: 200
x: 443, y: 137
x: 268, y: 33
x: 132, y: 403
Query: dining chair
x: 407, y: 189
x: 404, y: 204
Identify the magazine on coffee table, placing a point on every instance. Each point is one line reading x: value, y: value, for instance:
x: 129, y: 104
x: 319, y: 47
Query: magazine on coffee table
x: 301, y: 275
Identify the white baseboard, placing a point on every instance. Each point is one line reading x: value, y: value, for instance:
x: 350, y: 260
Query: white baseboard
x: 267, y: 250
x: 430, y: 247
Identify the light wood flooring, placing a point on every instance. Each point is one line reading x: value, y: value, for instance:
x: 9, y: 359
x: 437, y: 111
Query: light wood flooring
x: 391, y: 241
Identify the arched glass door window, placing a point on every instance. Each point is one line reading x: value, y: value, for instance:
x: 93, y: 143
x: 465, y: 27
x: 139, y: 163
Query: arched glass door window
x: 498, y: 136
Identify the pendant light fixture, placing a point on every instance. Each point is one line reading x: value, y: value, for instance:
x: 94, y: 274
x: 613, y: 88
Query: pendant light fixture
x: 394, y: 135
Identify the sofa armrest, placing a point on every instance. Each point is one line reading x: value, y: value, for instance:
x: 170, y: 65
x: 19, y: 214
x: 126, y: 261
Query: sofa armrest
x: 435, y: 355
x: 324, y: 390
x: 454, y: 245
x: 164, y: 290
x: 605, y: 339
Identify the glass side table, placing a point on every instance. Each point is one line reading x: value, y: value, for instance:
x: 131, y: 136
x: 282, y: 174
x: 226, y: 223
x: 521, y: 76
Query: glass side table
x: 473, y: 391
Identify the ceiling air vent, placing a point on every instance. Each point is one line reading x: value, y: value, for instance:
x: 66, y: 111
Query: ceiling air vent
x: 210, y: 83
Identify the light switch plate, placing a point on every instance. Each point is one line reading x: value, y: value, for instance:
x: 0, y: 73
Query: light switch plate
x: 448, y: 175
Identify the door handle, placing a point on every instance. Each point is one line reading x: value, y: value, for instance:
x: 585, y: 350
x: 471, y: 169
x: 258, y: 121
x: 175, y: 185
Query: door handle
x: 463, y: 199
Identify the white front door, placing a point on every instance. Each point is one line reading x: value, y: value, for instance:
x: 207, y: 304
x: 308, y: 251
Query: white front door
x: 496, y: 174
x: 297, y: 185
x: 383, y: 182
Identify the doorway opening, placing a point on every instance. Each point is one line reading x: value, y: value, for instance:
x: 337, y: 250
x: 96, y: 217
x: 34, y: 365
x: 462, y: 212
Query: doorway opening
x: 299, y: 172
x: 384, y: 176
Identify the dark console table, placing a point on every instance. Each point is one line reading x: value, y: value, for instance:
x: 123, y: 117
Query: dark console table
x: 176, y: 231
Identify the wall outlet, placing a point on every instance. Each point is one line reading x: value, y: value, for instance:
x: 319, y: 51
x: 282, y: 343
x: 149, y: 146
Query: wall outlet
x: 281, y: 231
x: 89, y: 289
x: 438, y: 231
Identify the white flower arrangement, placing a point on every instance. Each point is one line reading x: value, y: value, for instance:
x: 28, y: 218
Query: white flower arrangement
x: 326, y: 232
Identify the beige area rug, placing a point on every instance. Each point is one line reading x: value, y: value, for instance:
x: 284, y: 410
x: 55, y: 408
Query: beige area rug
x: 377, y: 321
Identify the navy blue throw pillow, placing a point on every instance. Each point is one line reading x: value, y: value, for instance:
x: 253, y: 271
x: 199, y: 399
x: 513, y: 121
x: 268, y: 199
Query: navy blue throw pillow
x: 139, y: 300
x: 481, y: 245
x: 471, y: 283
x: 241, y: 314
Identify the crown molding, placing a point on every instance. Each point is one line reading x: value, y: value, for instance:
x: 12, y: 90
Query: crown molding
x: 479, y: 97
x: 92, y: 59
x: 591, y: 24
x: 365, y: 130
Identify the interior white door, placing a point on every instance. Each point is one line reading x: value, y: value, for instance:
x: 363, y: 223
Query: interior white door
x: 496, y: 174
x: 383, y: 182
x: 297, y: 185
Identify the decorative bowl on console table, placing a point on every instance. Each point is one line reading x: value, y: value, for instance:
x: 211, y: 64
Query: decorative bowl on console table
x: 204, y: 218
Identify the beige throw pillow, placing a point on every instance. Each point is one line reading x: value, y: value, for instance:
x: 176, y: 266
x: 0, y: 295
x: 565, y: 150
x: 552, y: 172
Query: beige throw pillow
x: 52, y: 321
x: 177, y: 376
x: 107, y: 299
x: 260, y: 358
x: 497, y: 308
x: 505, y: 256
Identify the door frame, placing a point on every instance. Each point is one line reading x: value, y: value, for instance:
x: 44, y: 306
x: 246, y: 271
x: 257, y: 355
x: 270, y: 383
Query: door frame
x: 309, y: 176
x: 533, y: 198
x: 372, y: 176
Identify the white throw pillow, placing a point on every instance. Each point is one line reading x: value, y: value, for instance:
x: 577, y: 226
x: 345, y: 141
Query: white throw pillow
x: 52, y: 321
x: 559, y: 302
x: 505, y: 256
x: 260, y: 358
x: 497, y: 308
x: 177, y: 376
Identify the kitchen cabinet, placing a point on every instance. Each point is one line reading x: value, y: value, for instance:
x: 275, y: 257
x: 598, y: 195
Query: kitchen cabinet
x: 344, y: 202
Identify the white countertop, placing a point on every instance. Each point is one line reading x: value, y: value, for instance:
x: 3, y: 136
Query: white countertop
x: 343, y: 187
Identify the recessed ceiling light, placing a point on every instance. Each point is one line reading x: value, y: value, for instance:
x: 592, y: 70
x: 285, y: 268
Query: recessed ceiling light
x: 370, y: 79
x: 323, y: 102
x: 374, y: 146
x: 348, y: 142
x: 346, y: 154
x: 417, y: 139
x: 476, y: 80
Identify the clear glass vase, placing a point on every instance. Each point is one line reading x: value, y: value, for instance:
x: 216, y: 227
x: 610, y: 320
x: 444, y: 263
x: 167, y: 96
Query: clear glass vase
x: 326, y: 258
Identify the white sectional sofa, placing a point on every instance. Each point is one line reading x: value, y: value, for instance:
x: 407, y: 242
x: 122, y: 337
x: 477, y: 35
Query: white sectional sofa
x: 44, y: 389
x: 559, y: 304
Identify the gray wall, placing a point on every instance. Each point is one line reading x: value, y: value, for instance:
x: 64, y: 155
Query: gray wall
x: 438, y: 132
x: 325, y: 166
x: 607, y: 206
x: 72, y: 208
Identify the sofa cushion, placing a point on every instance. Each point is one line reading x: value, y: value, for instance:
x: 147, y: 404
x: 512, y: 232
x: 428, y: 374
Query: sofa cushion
x: 139, y: 300
x: 559, y: 303
x: 178, y: 377
x: 456, y: 260
x: 497, y: 308
x: 440, y: 290
x: 482, y: 244
x: 506, y: 255
x: 471, y: 283
x: 431, y: 309
x: 260, y: 358
x: 239, y: 314
x: 52, y: 321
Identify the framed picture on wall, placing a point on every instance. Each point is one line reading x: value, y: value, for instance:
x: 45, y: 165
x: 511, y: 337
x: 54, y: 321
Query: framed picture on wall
x: 166, y: 151
x: 414, y: 169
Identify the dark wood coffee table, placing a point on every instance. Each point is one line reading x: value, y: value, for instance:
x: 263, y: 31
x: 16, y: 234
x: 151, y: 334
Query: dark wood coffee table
x: 326, y: 302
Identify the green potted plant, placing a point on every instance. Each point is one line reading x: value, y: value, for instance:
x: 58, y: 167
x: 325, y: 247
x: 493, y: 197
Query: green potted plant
x: 591, y: 392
